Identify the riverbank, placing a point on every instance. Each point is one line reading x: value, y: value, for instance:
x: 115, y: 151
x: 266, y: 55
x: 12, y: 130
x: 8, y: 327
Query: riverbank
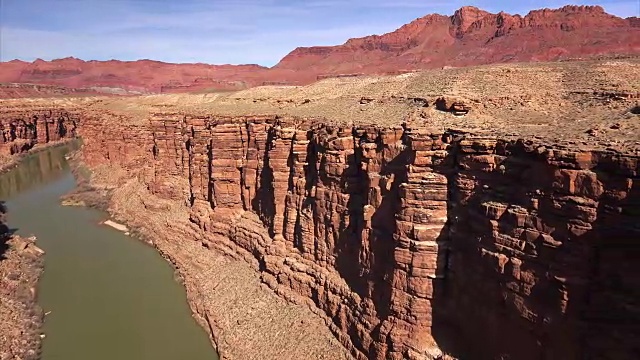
x: 244, y: 318
x: 21, y: 265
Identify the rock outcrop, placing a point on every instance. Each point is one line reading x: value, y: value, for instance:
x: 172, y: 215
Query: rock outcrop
x: 410, y: 241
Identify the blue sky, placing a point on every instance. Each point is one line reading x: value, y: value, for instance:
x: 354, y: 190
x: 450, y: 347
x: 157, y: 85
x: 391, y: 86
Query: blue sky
x: 218, y: 31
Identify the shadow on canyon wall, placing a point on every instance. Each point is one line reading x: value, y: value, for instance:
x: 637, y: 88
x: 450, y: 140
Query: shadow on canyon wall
x: 374, y: 257
x: 612, y: 304
x: 43, y: 129
x: 263, y: 202
x: 552, y: 276
x: 572, y: 295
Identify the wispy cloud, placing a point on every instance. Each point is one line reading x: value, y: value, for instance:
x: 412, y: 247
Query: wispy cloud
x: 215, y: 31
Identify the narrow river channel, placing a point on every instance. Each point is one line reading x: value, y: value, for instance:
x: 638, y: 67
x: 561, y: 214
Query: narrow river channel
x: 110, y: 297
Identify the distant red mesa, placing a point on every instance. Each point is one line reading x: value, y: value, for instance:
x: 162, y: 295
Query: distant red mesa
x: 470, y: 37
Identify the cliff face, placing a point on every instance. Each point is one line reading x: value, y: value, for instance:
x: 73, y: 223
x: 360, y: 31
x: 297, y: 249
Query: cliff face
x: 23, y: 127
x: 533, y: 230
x: 408, y: 240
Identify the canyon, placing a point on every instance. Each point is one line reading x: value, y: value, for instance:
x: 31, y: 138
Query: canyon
x: 21, y: 260
x: 484, y: 212
x: 470, y: 36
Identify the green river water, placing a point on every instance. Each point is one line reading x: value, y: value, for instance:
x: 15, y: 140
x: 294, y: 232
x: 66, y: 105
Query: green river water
x: 110, y: 297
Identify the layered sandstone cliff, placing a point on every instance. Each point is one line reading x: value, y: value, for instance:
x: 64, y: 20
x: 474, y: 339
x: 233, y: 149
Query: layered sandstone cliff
x: 508, y: 232
x: 403, y: 235
x: 24, y: 126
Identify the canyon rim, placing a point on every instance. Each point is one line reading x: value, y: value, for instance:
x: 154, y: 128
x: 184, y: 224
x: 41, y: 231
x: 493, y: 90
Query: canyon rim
x: 473, y: 212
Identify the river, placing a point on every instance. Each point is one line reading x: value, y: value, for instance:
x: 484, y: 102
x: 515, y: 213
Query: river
x: 109, y: 296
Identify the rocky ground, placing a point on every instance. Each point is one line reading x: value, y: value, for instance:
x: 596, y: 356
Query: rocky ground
x: 20, y: 317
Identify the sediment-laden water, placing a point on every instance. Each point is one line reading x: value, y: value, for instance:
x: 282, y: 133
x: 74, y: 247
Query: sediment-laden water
x: 107, y: 295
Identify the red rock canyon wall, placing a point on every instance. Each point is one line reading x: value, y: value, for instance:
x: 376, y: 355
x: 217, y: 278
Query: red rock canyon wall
x: 406, y: 237
x: 23, y: 127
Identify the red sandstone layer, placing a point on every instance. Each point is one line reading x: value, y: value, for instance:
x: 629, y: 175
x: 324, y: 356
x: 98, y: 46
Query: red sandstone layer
x: 473, y: 37
x: 20, y: 90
